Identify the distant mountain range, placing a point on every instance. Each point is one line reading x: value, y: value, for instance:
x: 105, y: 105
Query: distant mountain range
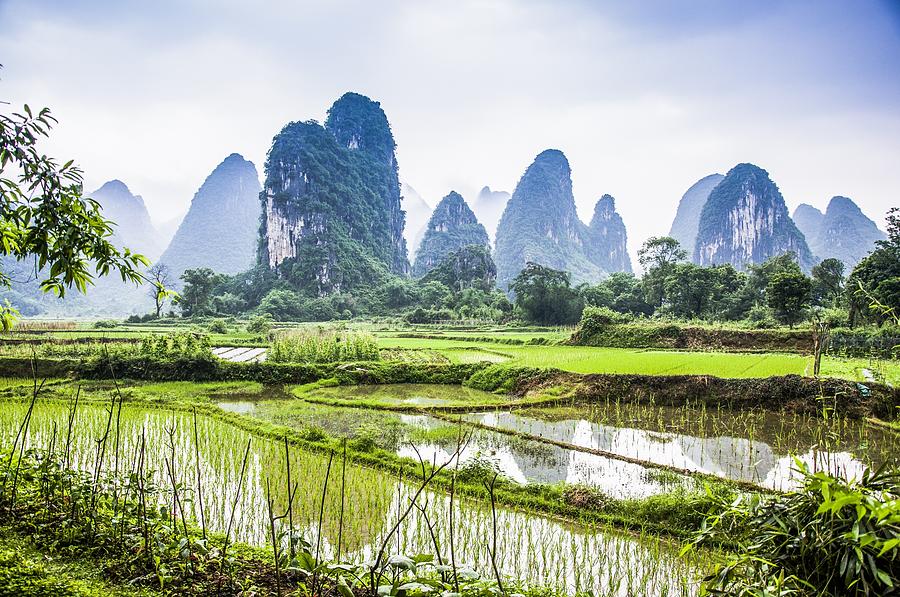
x: 843, y: 231
x: 332, y: 216
x: 133, y: 227
x: 417, y: 214
x: 220, y: 229
x: 489, y: 206
x: 747, y: 222
x: 540, y: 224
x: 687, y: 219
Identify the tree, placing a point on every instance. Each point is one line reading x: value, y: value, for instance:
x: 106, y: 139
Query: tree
x: 657, y: 257
x: 436, y: 295
x: 872, y: 288
x: 545, y: 296
x: 696, y: 291
x: 44, y: 215
x: 660, y: 251
x: 788, y: 294
x: 198, y: 289
x: 160, y: 278
x: 760, y: 275
x: 628, y: 294
x: 828, y: 281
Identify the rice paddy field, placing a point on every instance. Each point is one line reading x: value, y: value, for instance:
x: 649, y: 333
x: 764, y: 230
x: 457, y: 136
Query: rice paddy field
x: 621, y: 451
x: 595, y: 495
x: 539, y: 550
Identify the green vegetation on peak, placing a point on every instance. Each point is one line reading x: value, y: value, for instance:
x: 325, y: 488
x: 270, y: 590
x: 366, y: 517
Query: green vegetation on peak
x: 608, y: 237
x: 332, y: 218
x: 452, y: 226
x: 540, y: 224
x: 745, y: 221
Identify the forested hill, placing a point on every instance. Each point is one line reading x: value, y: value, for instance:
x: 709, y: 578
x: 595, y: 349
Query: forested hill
x: 540, y: 224
x: 687, y: 218
x: 133, y: 228
x: 745, y: 221
x: 452, y: 226
x: 843, y: 231
x: 331, y: 196
x: 220, y: 229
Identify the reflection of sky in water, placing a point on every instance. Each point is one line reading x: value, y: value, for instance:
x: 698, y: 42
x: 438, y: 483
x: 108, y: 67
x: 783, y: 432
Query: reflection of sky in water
x: 241, y: 407
x: 731, y: 457
x: 532, y: 548
x: 542, y: 463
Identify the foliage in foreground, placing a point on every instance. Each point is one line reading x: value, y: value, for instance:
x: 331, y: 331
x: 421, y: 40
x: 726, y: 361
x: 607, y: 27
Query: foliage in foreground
x: 48, y: 225
x: 831, y: 537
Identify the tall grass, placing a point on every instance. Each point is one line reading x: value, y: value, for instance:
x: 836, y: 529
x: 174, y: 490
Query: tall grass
x: 44, y: 325
x: 323, y: 345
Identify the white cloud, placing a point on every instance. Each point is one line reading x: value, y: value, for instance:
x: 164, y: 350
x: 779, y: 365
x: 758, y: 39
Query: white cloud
x: 643, y: 98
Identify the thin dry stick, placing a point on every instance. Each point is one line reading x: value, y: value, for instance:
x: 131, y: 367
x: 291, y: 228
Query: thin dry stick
x: 452, y: 493
x: 376, y: 564
x: 142, y: 500
x: 274, y: 539
x: 492, y: 551
x: 197, y: 467
x: 187, y: 536
x: 321, y: 515
x: 290, y: 510
x: 118, y: 431
x: 71, y: 427
x: 234, y: 504
x: 341, y: 515
x: 23, y: 435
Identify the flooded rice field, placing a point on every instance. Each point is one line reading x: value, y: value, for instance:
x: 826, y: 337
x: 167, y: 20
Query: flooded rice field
x: 536, y: 549
x: 623, y: 450
x: 596, y: 443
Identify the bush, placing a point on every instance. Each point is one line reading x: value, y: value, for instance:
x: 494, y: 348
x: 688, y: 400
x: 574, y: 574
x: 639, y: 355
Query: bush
x: 830, y: 537
x: 761, y: 317
x: 105, y: 324
x: 179, y: 344
x: 218, y: 327
x: 260, y: 324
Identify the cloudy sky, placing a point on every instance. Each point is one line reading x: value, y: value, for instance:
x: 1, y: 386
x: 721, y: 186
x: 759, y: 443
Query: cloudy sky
x: 644, y: 98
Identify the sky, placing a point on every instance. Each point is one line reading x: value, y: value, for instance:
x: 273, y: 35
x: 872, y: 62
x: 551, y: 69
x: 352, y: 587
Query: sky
x: 644, y: 98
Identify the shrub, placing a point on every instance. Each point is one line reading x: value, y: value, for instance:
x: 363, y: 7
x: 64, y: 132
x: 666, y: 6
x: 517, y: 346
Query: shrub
x: 260, y: 324
x: 218, y: 327
x: 179, y: 344
x: 594, y: 319
x: 761, y: 317
x: 105, y: 324
x: 830, y: 537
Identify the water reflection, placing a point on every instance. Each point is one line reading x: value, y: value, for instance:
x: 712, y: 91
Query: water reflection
x: 538, y: 550
x: 737, y: 458
x: 528, y: 461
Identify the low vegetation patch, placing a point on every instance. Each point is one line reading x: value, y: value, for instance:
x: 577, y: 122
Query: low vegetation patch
x: 829, y: 538
x: 323, y: 345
